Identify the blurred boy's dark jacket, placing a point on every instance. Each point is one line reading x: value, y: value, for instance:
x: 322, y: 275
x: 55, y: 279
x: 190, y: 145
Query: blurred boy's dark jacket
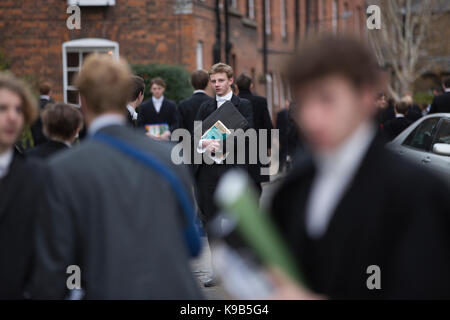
x: 393, y: 215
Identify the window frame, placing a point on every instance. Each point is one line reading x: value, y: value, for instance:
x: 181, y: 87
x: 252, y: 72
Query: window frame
x: 433, y: 136
x: 81, y: 46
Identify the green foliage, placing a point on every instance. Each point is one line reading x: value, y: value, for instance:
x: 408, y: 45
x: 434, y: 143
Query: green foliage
x: 177, y: 79
x: 423, y: 98
x: 4, y: 63
x: 26, y: 140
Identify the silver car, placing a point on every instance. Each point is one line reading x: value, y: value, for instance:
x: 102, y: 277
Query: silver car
x: 427, y: 142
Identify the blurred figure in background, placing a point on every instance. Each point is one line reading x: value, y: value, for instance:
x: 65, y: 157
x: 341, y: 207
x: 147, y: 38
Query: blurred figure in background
x: 414, y: 112
x: 442, y: 103
x: 61, y: 123
x: 19, y: 188
x: 136, y: 99
x: 159, y: 110
x: 289, y: 136
x: 261, y: 120
x: 189, y: 107
x: 354, y: 205
x: 107, y: 210
x: 45, y: 89
x: 394, y: 127
x: 385, y: 109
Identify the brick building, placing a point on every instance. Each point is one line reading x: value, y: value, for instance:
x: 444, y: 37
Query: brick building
x: 35, y: 39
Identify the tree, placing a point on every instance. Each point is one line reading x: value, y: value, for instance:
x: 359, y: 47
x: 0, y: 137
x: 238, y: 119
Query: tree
x: 401, y: 43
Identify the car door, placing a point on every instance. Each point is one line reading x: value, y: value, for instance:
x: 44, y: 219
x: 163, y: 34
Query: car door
x: 440, y: 163
x: 417, y: 145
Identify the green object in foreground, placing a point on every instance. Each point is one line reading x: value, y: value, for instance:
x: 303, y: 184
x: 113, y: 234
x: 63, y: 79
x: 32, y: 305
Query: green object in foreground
x: 236, y: 195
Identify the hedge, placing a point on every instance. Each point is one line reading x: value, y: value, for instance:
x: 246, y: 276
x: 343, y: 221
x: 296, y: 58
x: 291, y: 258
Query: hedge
x: 177, y: 79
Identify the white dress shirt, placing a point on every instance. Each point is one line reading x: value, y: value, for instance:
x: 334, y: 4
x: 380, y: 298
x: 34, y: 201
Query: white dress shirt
x: 158, y: 103
x: 399, y: 115
x: 133, y: 112
x: 335, y: 172
x: 104, y: 121
x: 223, y: 99
x: 5, y: 162
x: 220, y: 101
x: 200, y: 91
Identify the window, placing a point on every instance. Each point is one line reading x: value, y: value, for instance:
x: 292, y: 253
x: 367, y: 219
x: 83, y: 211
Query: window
x: 443, y: 134
x: 251, y: 9
x: 269, y: 92
x: 199, y: 55
x: 276, y: 95
x: 283, y: 18
x: 74, y: 53
x: 358, y: 20
x: 233, y: 3
x: 335, y: 13
x: 268, y: 17
x: 422, y: 137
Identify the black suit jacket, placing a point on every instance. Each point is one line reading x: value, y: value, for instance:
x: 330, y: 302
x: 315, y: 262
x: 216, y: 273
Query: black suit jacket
x: 441, y: 104
x: 261, y: 120
x: 168, y: 114
x: 395, y: 126
x: 398, y: 220
x: 188, y: 109
x: 36, y: 128
x: 19, y: 196
x: 47, y: 149
x: 207, y: 176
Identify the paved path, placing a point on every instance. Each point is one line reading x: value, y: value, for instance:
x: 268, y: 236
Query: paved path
x: 201, y: 266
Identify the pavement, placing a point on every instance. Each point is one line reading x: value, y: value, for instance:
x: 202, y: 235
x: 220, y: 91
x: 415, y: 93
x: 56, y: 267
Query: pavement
x: 201, y: 266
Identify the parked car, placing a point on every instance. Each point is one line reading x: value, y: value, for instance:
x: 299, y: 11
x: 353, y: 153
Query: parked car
x: 427, y: 142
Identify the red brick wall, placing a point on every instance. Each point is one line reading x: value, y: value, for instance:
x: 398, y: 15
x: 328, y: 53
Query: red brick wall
x: 32, y: 33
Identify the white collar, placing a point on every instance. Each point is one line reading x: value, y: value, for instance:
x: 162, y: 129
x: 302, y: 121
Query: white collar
x: 157, y: 99
x: 226, y: 97
x: 399, y: 115
x: 199, y: 91
x: 132, y: 111
x: 5, y: 162
x: 105, y: 120
x: 447, y: 90
x: 45, y: 97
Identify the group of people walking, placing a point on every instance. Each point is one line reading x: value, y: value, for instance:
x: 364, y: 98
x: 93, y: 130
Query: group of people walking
x: 120, y: 211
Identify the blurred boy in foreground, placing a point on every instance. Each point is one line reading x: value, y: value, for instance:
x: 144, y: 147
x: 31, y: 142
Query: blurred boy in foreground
x: 362, y: 222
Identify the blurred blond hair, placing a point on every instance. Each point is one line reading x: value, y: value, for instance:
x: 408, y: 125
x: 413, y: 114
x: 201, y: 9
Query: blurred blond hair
x: 105, y: 83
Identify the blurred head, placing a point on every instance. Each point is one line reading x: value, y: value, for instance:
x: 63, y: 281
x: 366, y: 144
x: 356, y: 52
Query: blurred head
x: 381, y: 102
x: 446, y: 83
x: 104, y: 85
x: 157, y: 87
x: 221, y: 78
x: 17, y: 109
x: 244, y: 82
x: 407, y: 99
x: 199, y: 79
x: 61, y: 122
x: 138, y: 89
x: 45, y: 88
x: 436, y: 91
x: 335, y: 83
x: 402, y: 107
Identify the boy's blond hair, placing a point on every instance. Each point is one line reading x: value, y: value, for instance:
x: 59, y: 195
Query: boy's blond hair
x: 105, y: 82
x: 221, y: 68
